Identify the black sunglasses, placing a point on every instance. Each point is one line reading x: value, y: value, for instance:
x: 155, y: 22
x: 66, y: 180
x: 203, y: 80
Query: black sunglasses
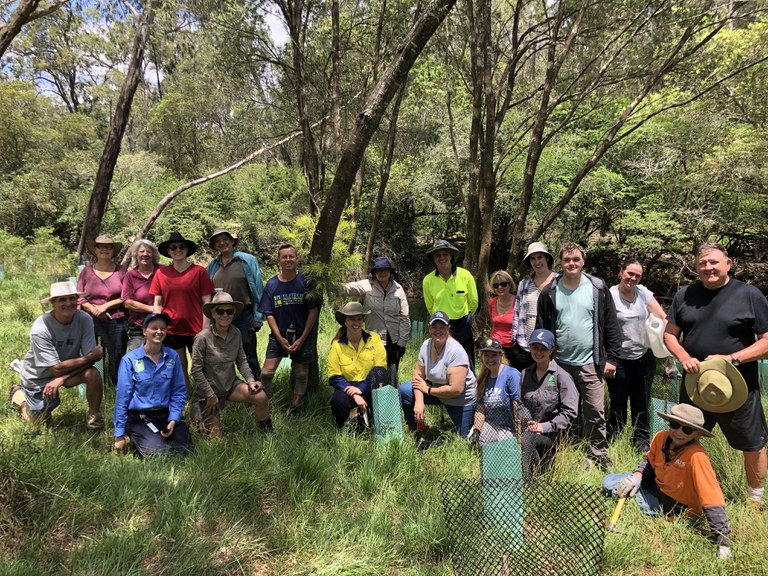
x: 177, y: 247
x: 225, y: 311
x: 686, y: 429
x: 500, y: 285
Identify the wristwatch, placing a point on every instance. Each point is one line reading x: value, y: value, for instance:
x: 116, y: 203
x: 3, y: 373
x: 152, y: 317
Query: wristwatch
x: 429, y: 390
x: 735, y: 361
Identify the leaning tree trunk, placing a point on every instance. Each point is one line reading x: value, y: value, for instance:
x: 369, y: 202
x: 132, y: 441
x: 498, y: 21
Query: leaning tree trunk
x: 367, y: 123
x: 97, y: 204
x: 26, y: 11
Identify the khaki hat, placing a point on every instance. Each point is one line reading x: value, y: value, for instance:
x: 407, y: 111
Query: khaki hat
x: 350, y: 309
x: 103, y: 239
x: 535, y: 247
x: 219, y: 231
x: 717, y: 387
x: 221, y: 299
x: 687, y: 415
x: 59, y: 289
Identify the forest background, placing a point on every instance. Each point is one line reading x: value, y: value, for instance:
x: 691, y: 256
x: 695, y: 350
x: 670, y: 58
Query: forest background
x: 633, y: 128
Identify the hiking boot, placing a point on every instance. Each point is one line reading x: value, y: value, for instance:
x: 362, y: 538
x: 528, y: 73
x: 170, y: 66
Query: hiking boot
x: 266, y: 425
x: 95, y: 421
x: 16, y: 396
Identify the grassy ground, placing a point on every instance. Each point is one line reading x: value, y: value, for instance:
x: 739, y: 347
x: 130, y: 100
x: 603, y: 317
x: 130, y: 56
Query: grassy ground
x: 304, y: 500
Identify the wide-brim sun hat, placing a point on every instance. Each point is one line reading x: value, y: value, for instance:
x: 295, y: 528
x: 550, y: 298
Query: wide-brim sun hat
x: 687, y: 415
x: 350, y: 309
x: 535, y: 247
x: 718, y: 386
x: 382, y: 263
x: 103, y: 239
x: 59, y: 289
x: 222, y: 299
x: 220, y: 231
x: 174, y: 238
x: 442, y: 245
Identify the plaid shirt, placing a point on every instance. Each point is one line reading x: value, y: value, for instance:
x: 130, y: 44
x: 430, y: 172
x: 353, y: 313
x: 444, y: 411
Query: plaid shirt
x: 521, y: 311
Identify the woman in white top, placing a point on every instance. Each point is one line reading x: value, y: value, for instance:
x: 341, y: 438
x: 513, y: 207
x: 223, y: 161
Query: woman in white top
x: 388, y: 304
x: 540, y: 261
x: 637, y: 364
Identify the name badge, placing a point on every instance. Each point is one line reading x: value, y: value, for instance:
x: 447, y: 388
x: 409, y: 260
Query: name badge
x: 138, y: 365
x: 551, y: 380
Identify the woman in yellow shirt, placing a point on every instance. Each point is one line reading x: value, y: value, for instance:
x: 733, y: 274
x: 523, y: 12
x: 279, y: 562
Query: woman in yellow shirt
x: 356, y: 364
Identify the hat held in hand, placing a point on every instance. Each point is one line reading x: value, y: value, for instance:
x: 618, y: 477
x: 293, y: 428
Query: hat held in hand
x: 717, y: 387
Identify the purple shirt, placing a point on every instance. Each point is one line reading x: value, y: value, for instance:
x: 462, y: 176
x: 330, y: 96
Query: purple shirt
x: 136, y: 287
x: 100, y: 291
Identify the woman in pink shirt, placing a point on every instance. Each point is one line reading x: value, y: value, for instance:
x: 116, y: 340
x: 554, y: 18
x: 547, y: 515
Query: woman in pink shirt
x: 502, y: 309
x: 137, y: 299
x: 102, y: 282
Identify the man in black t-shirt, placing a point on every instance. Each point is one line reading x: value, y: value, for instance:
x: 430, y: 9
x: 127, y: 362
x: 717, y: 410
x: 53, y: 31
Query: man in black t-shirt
x: 722, y: 317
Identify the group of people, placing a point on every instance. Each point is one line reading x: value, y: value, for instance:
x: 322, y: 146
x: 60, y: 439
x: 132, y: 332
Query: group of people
x: 555, y: 341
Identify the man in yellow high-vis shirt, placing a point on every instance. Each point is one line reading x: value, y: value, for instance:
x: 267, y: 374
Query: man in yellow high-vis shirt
x: 453, y: 290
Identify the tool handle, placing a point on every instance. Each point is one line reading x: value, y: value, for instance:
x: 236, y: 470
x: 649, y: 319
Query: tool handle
x: 616, y: 513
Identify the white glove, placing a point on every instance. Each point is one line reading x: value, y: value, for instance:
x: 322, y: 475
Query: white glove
x: 629, y: 486
x: 723, y: 552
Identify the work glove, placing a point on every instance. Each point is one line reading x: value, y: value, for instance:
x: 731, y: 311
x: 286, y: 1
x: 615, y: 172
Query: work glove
x: 629, y: 486
x: 473, y: 437
x: 256, y: 325
x: 723, y: 552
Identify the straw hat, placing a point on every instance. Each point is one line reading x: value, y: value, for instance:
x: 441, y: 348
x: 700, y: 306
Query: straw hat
x: 103, y: 239
x: 59, y: 289
x: 350, y: 309
x: 221, y: 299
x: 717, y: 387
x: 687, y: 415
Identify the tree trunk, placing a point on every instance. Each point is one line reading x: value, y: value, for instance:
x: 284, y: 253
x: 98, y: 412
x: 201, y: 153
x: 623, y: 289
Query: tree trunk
x: 100, y: 194
x: 367, y: 123
x: 25, y: 12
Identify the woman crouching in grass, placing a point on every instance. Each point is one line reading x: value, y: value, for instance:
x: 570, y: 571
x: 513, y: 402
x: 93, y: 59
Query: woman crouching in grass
x: 151, y: 394
x: 357, y: 363
x: 215, y: 353
x: 498, y: 389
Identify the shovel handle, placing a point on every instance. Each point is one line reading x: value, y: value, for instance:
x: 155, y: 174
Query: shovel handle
x: 617, y: 511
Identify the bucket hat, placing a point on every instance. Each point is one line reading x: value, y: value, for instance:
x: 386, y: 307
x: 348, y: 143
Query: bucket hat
x: 220, y: 299
x: 718, y: 386
x: 534, y: 247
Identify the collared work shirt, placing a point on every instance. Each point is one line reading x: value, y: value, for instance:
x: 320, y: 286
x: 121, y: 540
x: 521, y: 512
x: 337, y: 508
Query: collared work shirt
x: 456, y: 296
x: 349, y: 365
x: 214, y: 359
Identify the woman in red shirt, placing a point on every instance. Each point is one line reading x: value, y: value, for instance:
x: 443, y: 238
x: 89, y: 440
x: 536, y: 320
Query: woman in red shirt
x: 502, y: 309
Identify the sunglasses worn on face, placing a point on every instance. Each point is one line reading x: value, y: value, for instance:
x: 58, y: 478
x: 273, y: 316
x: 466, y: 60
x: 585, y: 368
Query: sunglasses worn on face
x: 225, y: 312
x: 686, y: 429
x: 500, y: 285
x: 177, y: 247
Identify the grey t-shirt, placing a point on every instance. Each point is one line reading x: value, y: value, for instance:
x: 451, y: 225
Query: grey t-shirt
x: 453, y: 355
x: 632, y: 315
x: 51, y: 342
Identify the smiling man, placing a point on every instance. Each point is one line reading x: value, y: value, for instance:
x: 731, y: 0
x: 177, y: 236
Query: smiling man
x: 62, y: 351
x: 578, y: 309
x: 721, y: 317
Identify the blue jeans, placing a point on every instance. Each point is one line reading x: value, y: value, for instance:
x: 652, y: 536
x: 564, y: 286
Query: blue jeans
x: 647, y: 497
x: 461, y: 416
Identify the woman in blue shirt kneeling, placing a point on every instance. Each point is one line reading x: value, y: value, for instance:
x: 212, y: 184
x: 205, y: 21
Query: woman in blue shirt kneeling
x: 151, y: 393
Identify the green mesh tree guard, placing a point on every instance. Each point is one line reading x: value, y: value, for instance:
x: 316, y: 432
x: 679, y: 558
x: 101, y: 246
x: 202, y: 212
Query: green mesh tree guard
x: 762, y: 366
x: 563, y: 527
x: 387, y: 418
x: 503, y: 460
x: 659, y: 405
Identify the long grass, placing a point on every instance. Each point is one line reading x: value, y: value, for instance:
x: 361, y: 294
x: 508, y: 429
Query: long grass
x: 306, y: 499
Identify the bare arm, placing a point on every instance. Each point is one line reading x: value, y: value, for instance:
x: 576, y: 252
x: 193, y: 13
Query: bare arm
x: 157, y: 307
x: 457, y: 378
x: 672, y: 340
x: 756, y: 351
x: 136, y: 306
x: 655, y: 308
x: 73, y: 365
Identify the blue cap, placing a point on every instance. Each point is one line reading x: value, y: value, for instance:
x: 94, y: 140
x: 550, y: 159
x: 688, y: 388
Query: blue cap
x: 151, y: 316
x: 439, y: 317
x: 543, y: 337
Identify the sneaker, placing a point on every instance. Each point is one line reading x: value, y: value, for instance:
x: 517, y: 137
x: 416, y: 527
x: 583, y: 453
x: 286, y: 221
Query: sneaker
x: 758, y: 505
x: 16, y: 396
x: 95, y: 421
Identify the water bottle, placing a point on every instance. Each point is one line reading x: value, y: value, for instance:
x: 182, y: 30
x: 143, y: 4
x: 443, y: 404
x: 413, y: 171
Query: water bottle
x: 290, y: 334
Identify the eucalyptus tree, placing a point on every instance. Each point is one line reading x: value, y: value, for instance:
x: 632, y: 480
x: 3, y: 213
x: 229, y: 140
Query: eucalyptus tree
x: 22, y: 13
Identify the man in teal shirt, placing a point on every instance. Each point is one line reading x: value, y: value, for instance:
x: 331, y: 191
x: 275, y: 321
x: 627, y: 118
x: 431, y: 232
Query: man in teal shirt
x: 453, y: 290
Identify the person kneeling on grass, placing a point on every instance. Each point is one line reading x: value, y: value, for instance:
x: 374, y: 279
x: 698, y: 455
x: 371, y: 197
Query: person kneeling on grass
x: 215, y: 352
x: 151, y: 393
x: 357, y: 362
x: 676, y: 476
x: 442, y: 376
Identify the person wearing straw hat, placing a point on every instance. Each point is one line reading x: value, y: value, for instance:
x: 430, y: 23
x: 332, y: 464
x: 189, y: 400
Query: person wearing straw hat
x: 720, y: 326
x: 239, y: 274
x: 356, y: 365
x: 676, y: 476
x: 215, y: 353
x: 452, y: 290
x: 62, y: 353
x: 102, y: 282
x: 385, y: 298
x: 539, y: 260
x: 180, y: 291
